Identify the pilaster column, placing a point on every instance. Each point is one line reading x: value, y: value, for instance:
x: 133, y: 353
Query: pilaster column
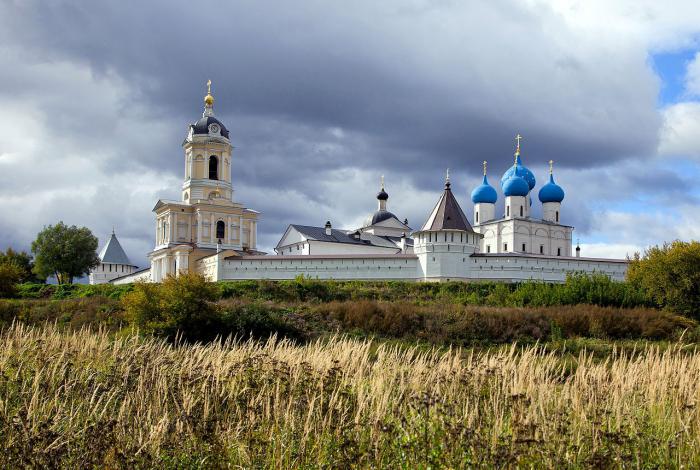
x: 175, y: 230
x: 198, y: 219
x: 228, y: 229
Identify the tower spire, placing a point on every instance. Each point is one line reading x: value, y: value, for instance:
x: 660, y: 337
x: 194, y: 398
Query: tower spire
x: 484, y: 167
x: 447, y: 179
x: 381, y: 179
x: 208, y: 101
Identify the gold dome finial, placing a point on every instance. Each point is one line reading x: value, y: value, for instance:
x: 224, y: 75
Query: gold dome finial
x: 484, y: 167
x: 209, y: 99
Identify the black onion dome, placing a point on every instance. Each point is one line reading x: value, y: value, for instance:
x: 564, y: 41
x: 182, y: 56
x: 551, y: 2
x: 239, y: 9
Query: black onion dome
x: 382, y: 195
x: 202, y: 126
x: 379, y: 216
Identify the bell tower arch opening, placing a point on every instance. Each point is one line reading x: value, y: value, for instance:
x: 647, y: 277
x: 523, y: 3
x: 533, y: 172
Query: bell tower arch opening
x: 213, y: 167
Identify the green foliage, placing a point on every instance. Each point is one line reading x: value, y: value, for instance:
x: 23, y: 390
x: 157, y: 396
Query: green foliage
x: 21, y: 260
x: 10, y: 275
x: 65, y: 252
x: 669, y: 276
x: 72, y: 291
x: 180, y: 305
x: 596, y: 289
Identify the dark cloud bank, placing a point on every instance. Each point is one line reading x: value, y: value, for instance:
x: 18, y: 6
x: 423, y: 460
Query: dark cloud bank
x: 317, y: 91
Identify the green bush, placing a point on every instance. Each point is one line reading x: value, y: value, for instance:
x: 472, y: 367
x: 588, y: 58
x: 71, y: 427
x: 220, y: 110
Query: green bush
x: 182, y: 305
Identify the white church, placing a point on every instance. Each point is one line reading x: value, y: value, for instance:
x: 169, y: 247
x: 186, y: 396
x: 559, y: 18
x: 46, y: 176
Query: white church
x: 209, y: 232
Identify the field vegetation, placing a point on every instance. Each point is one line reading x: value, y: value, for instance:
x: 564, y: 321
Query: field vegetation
x: 83, y: 399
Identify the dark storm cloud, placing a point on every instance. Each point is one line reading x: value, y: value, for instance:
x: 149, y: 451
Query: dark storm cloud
x: 315, y: 91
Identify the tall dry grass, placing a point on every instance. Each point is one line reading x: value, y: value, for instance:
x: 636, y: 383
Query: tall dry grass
x: 81, y: 399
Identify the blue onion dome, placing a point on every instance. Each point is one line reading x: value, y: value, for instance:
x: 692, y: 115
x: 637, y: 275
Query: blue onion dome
x: 516, y: 186
x: 551, y: 192
x: 484, y: 193
x: 519, y: 170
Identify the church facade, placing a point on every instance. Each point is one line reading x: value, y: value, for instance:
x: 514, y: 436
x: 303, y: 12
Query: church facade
x: 207, y: 231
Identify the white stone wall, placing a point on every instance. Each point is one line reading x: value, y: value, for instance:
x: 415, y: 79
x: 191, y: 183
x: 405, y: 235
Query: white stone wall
x: 446, y: 265
x: 366, y: 267
x: 141, y: 276
x: 105, y: 272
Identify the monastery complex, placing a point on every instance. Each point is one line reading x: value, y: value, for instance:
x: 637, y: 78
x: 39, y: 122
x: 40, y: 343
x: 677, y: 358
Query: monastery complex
x: 209, y: 232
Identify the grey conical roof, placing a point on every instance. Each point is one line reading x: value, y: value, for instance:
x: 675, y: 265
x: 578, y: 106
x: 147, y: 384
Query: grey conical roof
x: 114, y: 253
x: 447, y: 215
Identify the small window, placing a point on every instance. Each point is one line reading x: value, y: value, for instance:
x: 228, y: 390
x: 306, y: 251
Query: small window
x: 507, y: 211
x: 477, y: 216
x: 541, y: 249
x: 505, y: 247
x: 521, y: 211
x: 557, y: 216
x: 524, y: 247
x: 488, y: 248
x: 558, y: 251
x: 220, y: 229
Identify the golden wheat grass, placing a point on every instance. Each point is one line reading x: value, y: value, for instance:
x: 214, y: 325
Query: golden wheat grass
x: 84, y: 400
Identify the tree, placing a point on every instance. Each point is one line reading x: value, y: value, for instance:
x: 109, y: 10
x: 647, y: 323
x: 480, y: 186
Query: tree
x: 23, y: 261
x: 669, y: 276
x: 10, y: 275
x: 65, y: 252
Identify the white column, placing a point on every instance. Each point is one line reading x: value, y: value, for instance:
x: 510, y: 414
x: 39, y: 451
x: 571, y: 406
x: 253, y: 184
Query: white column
x: 199, y: 217
x: 228, y: 229
x: 175, y: 234
x: 212, y: 232
x: 254, y: 235
x: 240, y: 231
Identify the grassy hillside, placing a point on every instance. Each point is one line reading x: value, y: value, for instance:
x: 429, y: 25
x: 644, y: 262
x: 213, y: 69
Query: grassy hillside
x: 85, y: 400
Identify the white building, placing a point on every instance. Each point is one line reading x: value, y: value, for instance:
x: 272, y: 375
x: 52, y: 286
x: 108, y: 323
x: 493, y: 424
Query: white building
x: 209, y: 233
x: 113, y: 263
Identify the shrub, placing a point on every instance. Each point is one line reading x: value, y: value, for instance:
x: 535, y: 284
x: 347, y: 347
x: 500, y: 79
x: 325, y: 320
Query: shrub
x: 180, y: 305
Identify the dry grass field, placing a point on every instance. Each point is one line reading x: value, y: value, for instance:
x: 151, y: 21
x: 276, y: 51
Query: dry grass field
x: 84, y: 400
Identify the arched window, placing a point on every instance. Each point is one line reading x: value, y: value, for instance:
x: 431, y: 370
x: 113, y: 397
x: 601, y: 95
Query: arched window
x: 213, y: 168
x: 220, y: 229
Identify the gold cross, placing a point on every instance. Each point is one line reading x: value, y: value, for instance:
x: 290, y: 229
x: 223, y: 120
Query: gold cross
x: 209, y: 87
x: 484, y: 167
x: 551, y: 165
x: 382, y: 180
x: 517, y: 139
x: 447, y: 178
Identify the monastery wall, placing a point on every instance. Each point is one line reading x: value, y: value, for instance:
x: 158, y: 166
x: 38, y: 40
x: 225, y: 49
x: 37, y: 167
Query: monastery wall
x: 480, y: 267
x: 340, y: 267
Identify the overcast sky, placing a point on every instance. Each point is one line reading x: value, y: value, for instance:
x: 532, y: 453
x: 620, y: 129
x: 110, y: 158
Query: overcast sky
x: 321, y: 98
